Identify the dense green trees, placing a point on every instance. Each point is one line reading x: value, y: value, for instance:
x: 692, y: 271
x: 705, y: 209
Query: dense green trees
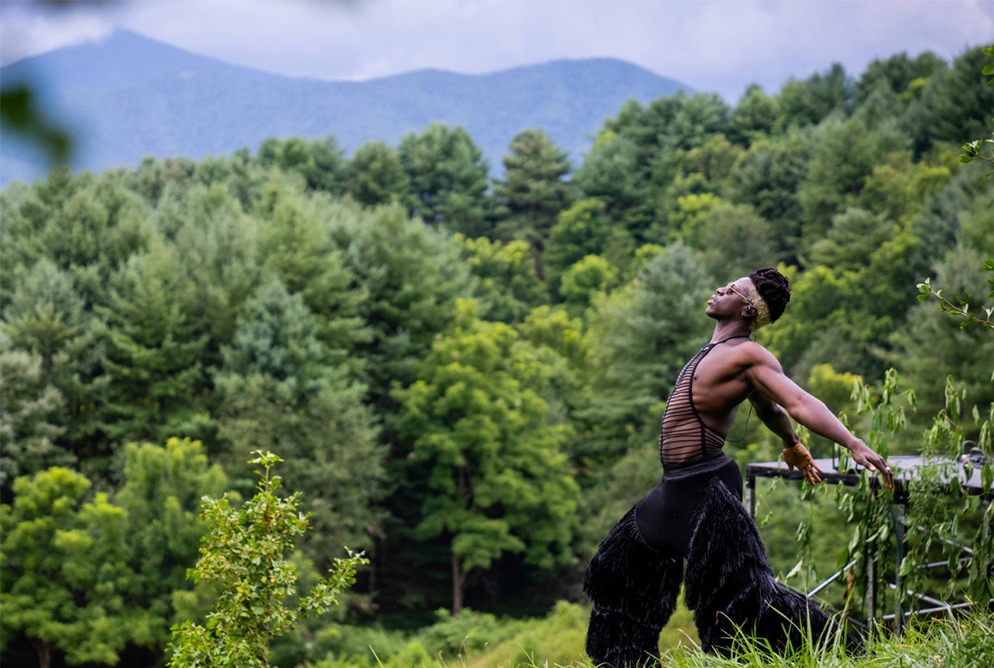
x: 444, y: 360
x: 486, y: 449
x: 88, y: 577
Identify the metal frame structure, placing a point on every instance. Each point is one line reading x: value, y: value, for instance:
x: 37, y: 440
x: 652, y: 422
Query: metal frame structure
x: 848, y: 473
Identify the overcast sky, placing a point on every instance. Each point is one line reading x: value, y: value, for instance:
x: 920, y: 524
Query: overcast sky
x: 719, y: 46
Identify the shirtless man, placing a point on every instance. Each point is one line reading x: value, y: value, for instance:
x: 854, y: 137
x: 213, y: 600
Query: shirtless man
x: 695, y: 512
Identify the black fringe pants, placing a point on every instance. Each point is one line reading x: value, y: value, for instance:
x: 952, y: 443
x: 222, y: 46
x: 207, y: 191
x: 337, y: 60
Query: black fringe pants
x: 729, y: 584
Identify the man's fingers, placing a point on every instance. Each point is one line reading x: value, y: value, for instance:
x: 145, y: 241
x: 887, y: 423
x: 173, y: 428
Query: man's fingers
x: 874, y: 462
x: 818, y: 468
x: 888, y: 476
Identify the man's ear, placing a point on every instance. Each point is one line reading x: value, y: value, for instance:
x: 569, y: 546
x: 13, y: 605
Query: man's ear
x: 750, y: 311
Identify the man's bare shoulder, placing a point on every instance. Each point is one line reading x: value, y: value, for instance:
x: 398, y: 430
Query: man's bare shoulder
x: 750, y: 354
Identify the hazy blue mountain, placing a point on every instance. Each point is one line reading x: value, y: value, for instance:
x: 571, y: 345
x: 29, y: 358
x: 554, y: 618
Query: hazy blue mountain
x: 129, y: 96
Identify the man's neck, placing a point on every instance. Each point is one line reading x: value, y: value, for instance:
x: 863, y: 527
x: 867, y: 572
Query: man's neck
x: 727, y: 329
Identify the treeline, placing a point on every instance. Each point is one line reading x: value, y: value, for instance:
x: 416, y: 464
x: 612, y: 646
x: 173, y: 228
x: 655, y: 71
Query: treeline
x: 464, y: 375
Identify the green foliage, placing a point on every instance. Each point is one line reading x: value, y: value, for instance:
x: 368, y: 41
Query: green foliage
x: 870, y: 503
x: 217, y: 257
x: 30, y: 413
x: 24, y: 116
x: 735, y: 240
x: 448, y: 179
x: 482, y: 443
x: 533, y: 191
x: 810, y: 101
x: 959, y: 101
x: 897, y: 75
x: 320, y: 161
x: 375, y: 175
x: 411, y: 276
x: 65, y: 574
x: 934, y: 345
x: 152, y: 354
x: 755, y: 116
x: 610, y: 172
x: 287, y: 300
x: 281, y: 388
x: 585, y: 280
x: 942, y: 521
x: 244, y: 556
x: 583, y: 229
x: 767, y: 176
x: 161, y: 499
x: 844, y: 155
x: 853, y: 237
x: 509, y: 285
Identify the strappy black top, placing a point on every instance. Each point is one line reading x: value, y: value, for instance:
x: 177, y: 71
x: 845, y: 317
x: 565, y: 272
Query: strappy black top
x: 684, y: 438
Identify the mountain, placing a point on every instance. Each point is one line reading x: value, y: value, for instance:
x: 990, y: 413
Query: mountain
x: 129, y: 96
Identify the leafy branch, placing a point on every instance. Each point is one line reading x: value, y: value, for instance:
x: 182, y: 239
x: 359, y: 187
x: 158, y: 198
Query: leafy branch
x: 245, y: 557
x: 962, y: 307
x: 974, y: 149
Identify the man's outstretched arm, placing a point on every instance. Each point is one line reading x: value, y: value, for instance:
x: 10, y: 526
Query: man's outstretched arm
x: 768, y: 378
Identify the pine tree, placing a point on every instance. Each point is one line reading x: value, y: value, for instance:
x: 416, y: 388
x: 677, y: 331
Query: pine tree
x: 375, y: 175
x: 533, y: 191
x: 281, y: 388
x: 448, y: 180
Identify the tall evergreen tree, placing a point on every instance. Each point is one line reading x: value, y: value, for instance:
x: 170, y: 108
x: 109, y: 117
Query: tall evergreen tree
x: 959, y: 100
x: 533, y: 191
x: 318, y: 161
x: 375, y: 175
x: 284, y: 390
x: 757, y: 115
x: 152, y: 354
x: 54, y: 345
x: 448, y: 179
x: 809, y: 101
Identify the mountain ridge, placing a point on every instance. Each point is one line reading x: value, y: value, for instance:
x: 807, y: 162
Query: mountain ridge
x: 130, y: 96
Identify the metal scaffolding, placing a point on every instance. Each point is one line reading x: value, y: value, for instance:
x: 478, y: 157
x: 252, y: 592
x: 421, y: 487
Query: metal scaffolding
x: 906, y: 470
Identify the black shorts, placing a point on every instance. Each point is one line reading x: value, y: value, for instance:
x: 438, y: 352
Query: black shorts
x: 665, y: 517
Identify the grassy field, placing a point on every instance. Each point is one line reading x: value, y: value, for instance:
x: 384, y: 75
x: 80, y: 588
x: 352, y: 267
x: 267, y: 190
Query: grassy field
x: 474, y: 640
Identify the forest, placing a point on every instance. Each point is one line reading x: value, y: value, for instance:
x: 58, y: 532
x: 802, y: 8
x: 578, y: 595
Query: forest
x: 463, y: 374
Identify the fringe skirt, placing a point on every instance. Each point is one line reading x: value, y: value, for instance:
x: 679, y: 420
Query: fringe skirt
x: 729, y: 583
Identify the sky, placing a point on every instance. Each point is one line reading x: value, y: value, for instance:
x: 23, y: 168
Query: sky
x: 712, y: 46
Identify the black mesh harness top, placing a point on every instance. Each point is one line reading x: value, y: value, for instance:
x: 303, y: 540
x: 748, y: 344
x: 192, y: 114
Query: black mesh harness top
x: 684, y: 438
x: 692, y: 455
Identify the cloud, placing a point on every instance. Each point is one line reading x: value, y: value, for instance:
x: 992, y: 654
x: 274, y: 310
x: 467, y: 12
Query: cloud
x: 28, y: 31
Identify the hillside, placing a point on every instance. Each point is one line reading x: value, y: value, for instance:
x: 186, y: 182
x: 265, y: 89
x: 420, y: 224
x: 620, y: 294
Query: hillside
x: 129, y: 96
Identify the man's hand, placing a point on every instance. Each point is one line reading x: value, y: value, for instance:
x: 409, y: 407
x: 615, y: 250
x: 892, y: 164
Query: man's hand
x: 797, y: 455
x: 863, y: 455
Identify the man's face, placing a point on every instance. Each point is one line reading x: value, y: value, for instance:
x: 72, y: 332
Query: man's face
x: 728, y: 301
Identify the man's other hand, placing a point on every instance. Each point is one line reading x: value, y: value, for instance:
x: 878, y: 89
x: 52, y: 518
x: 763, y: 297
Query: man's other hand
x: 864, y: 456
x: 799, y: 456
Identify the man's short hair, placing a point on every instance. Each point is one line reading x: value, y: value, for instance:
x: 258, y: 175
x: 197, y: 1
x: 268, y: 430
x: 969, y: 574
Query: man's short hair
x: 774, y: 288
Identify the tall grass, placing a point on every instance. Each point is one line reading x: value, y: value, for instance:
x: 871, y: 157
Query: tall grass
x: 557, y: 642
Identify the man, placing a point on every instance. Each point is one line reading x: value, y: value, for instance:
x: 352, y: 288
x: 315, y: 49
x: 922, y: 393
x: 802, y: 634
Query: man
x: 695, y: 512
